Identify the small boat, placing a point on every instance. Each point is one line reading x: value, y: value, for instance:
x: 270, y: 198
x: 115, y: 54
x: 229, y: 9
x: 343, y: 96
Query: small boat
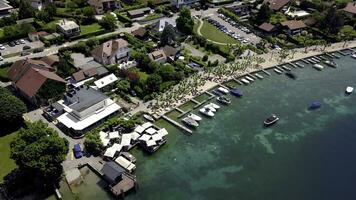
x: 245, y: 81
x: 279, y: 68
x: 353, y: 55
x: 336, y: 56
x: 214, y: 105
x: 223, y: 90
x: 237, y: 92
x: 349, y: 90
x: 259, y: 76
x: 224, y: 100
x: 148, y: 117
x: 331, y: 63
x: 277, y: 71
x: 299, y: 65
x: 217, y: 92
x: 249, y: 78
x: 286, y: 68
x: 207, y: 111
x: 271, y: 120
x: 291, y: 75
x: 195, y: 117
x: 318, y: 67
x: 190, y: 122
x: 315, y: 105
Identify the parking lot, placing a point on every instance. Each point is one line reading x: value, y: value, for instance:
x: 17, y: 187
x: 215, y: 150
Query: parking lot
x: 19, y: 47
x: 238, y: 32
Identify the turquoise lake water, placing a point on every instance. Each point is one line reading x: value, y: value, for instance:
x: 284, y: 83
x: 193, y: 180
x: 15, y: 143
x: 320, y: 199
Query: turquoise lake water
x: 306, y: 155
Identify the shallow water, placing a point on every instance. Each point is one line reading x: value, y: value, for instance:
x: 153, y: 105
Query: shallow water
x: 306, y: 155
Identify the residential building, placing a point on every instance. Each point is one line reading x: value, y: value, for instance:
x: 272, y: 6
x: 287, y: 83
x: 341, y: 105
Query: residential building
x: 5, y: 8
x: 241, y: 9
x: 68, y: 28
x: 180, y: 3
x: 140, y: 33
x: 36, y: 4
x: 167, y: 53
x: 111, y: 52
x: 162, y: 23
x: 294, y: 26
x: 106, y: 83
x: 267, y: 28
x: 350, y: 9
x: 277, y: 5
x: 29, y: 76
x: 138, y: 12
x: 85, y: 108
x: 102, y: 6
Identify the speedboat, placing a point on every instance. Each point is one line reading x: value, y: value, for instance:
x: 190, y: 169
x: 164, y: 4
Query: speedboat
x: 148, y: 117
x: 291, y: 75
x: 315, y: 105
x: 214, y: 105
x: 217, y: 92
x: 245, y: 81
x: 353, y: 55
x: 237, y: 92
x: 223, y: 90
x: 207, y: 111
x: 331, y: 63
x: 190, y: 122
x: 318, y: 67
x: 210, y: 107
x: 271, y: 120
x: 299, y: 65
x: 195, y: 117
x: 277, y: 71
x: 259, y: 76
x: 349, y: 90
x: 249, y: 78
x: 286, y: 68
x: 224, y: 100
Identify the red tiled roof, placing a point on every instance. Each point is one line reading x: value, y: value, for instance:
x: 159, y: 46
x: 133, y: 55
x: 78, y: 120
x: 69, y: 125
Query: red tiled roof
x: 294, y: 24
x: 50, y: 60
x: 109, y: 48
x: 266, y: 27
x: 350, y: 8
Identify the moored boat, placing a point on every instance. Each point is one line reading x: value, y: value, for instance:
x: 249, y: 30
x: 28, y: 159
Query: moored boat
x: 277, y: 71
x: 148, y: 117
x: 224, y: 100
x: 223, y: 90
x: 217, y: 92
x: 245, y: 81
x: 271, y: 120
x: 207, y: 111
x: 249, y: 78
x: 349, y: 90
x: 214, y: 105
x: 315, y: 105
x: 191, y: 122
x: 353, y: 55
x: 286, y: 68
x: 299, y: 65
x: 318, y: 67
x: 194, y: 116
x: 237, y: 92
x: 291, y: 75
x: 258, y: 76
x: 331, y: 63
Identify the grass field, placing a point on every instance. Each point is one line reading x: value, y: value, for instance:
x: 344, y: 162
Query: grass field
x: 86, y: 29
x: 4, y: 71
x: 6, y: 164
x: 212, y: 33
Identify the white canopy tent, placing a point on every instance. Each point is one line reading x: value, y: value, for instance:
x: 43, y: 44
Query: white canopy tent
x: 135, y: 135
x: 156, y: 137
x: 123, y: 162
x: 151, y: 131
x: 150, y: 143
x: 125, y: 139
x: 113, y: 135
x: 139, y: 129
x: 104, y: 138
x: 163, y: 132
x: 145, y: 137
x: 147, y: 125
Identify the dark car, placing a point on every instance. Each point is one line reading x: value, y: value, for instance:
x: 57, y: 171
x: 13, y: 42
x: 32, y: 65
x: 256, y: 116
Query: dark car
x: 77, y: 151
x: 17, y: 42
x: 133, y: 93
x: 12, y: 44
x: 25, y: 53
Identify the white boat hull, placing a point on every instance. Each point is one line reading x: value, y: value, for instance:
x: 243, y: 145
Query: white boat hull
x: 349, y: 90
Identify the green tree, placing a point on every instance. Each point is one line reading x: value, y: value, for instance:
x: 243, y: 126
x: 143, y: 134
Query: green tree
x: 123, y: 85
x: 346, y: 33
x: 153, y: 82
x: 26, y: 10
x: 263, y: 15
x: 39, y: 151
x: 65, y: 67
x: 167, y: 72
x: 11, y: 109
x: 168, y: 35
x: 185, y: 23
x: 93, y: 142
x: 332, y: 21
x: 108, y: 22
x: 89, y: 12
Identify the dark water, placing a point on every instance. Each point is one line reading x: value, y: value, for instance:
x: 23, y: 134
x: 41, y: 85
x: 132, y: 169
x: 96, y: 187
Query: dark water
x: 307, y: 155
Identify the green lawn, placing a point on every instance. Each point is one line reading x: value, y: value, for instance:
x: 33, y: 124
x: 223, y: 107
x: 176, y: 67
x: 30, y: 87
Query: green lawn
x: 87, y: 29
x: 210, y: 32
x: 6, y: 164
x: 143, y: 75
x: 4, y: 71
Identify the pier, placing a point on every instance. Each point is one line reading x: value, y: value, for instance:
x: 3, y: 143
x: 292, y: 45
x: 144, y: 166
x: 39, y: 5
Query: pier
x: 238, y: 81
x: 253, y: 76
x: 329, y: 55
x: 195, y: 101
x: 279, y: 68
x: 179, y: 110
x: 266, y: 72
x: 342, y: 53
x: 293, y: 65
x: 177, y: 124
x: 306, y: 61
x: 286, y: 68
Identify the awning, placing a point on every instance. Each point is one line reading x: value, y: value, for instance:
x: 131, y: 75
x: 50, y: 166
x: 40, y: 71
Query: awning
x: 126, y: 139
x: 135, y: 135
x: 147, y: 125
x: 113, y: 135
x: 163, y: 132
x: 151, y: 131
x: 139, y: 129
x: 145, y: 137
x: 156, y: 137
x: 150, y: 143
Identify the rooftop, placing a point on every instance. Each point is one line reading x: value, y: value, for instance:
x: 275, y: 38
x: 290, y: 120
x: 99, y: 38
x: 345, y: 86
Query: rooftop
x: 4, y: 5
x: 278, y: 4
x: 67, y: 24
x: 350, y: 8
x: 139, y: 11
x: 107, y: 80
x: 294, y: 24
x: 266, y: 27
x: 112, y: 170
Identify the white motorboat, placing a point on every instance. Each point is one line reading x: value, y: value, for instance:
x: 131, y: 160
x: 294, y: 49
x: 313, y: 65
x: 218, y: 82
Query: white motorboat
x: 148, y: 117
x: 191, y: 122
x: 245, y: 81
x: 249, y: 78
x: 331, y: 63
x: 353, y: 55
x: 223, y: 90
x: 271, y: 120
x: 349, y: 90
x: 214, y: 105
x: 318, y: 66
x: 277, y: 71
x: 210, y: 107
x: 259, y: 76
x: 195, y: 117
x: 224, y: 100
x: 207, y: 111
x: 299, y: 64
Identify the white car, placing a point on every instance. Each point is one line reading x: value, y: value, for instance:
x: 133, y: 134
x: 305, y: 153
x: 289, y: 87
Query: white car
x: 22, y: 41
x: 1, y: 58
x: 2, y: 47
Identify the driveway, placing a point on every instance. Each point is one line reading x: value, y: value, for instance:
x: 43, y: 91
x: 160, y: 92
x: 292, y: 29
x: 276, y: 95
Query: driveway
x: 19, y: 48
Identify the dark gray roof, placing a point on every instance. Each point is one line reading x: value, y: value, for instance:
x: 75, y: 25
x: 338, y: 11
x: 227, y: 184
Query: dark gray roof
x: 83, y: 97
x: 4, y: 5
x: 102, y: 71
x: 112, y: 170
x: 139, y: 11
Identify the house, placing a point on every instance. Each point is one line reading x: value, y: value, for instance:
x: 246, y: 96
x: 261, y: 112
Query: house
x: 138, y: 12
x: 50, y: 60
x: 294, y: 26
x: 68, y: 28
x: 140, y: 33
x: 5, y: 8
x: 277, y: 5
x: 94, y: 72
x: 167, y: 53
x: 300, y: 14
x: 30, y: 76
x: 241, y: 9
x: 36, y: 4
x: 85, y: 108
x: 180, y: 3
x: 112, y: 172
x: 111, y: 52
x: 162, y: 23
x: 102, y: 6
x: 267, y: 28
x: 350, y: 9
x: 105, y: 83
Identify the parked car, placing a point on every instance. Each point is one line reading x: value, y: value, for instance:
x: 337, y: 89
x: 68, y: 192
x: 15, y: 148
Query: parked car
x: 1, y: 58
x: 2, y: 47
x: 26, y: 47
x: 25, y: 53
x: 77, y: 150
x: 12, y: 44
x: 17, y: 42
x: 22, y: 41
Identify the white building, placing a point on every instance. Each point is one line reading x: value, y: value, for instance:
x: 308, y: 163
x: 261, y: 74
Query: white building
x: 162, y: 23
x: 84, y: 108
x: 112, y: 52
x: 181, y: 3
x: 68, y: 28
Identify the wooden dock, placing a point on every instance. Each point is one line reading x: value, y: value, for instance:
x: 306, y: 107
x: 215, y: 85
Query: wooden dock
x: 342, y: 53
x: 238, y: 81
x: 180, y: 126
x: 306, y: 61
x: 266, y: 72
x: 329, y: 55
x: 279, y: 68
x: 293, y: 65
x: 195, y: 101
x: 179, y: 110
x: 127, y: 183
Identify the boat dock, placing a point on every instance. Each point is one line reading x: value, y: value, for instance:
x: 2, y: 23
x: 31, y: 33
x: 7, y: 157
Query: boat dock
x: 306, y: 61
x: 279, y: 68
x: 238, y: 81
x: 293, y: 65
x: 286, y: 68
x: 195, y: 101
x: 177, y: 124
x: 258, y: 76
x: 343, y: 53
x: 253, y: 76
x: 127, y: 183
x: 179, y: 110
x: 266, y: 72
x: 329, y: 55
